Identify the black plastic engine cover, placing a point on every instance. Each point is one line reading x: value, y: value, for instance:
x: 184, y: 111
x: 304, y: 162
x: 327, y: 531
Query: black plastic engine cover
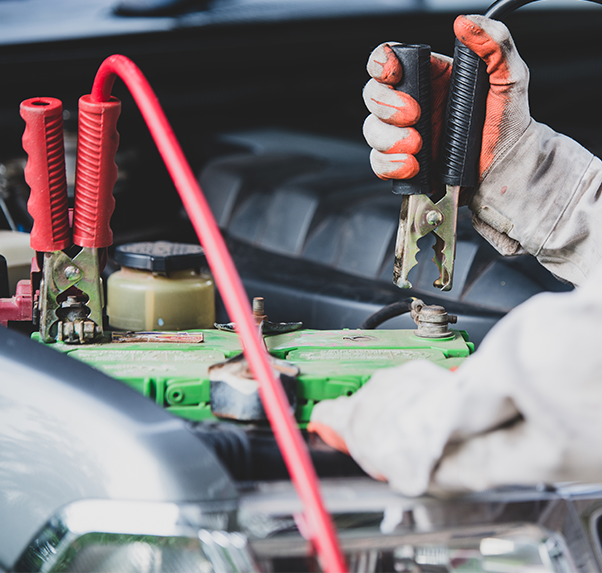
x: 312, y: 230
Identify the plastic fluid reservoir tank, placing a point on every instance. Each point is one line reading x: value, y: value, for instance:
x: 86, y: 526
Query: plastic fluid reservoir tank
x: 161, y: 286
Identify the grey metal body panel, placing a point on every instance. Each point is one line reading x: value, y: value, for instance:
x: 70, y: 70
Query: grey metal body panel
x: 68, y: 432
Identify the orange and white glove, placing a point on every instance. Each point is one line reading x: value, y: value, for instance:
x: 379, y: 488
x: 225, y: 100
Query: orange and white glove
x: 531, y: 178
x: 507, y: 115
x: 388, y: 129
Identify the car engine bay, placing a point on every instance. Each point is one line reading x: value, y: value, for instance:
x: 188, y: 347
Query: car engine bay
x: 265, y: 100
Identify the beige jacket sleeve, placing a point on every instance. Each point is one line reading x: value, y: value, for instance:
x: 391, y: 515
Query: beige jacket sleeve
x: 543, y: 197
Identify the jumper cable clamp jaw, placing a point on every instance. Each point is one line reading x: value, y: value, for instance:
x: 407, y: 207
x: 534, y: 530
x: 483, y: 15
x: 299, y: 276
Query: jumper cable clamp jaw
x: 460, y: 150
x: 419, y: 215
x: 71, y: 297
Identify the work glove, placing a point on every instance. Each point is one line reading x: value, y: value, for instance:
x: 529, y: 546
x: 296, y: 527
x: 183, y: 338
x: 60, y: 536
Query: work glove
x: 538, y: 190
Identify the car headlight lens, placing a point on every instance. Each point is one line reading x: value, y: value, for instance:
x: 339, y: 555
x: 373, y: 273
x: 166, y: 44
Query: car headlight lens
x: 137, y: 537
x: 132, y: 554
x: 213, y: 551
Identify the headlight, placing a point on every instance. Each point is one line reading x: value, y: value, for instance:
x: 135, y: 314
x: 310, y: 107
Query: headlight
x: 137, y: 537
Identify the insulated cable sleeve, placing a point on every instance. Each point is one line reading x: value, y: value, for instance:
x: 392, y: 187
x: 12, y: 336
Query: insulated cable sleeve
x: 45, y: 173
x: 95, y: 172
x: 502, y: 8
x: 386, y: 313
x: 286, y: 432
x: 465, y: 117
x: 415, y: 61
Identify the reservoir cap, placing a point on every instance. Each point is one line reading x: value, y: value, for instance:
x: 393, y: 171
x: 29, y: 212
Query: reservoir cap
x: 160, y: 256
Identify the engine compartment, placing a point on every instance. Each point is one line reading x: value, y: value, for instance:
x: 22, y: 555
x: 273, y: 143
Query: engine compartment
x: 272, y: 131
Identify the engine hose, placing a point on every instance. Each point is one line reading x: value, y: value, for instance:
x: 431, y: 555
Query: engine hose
x: 390, y: 311
x: 294, y: 451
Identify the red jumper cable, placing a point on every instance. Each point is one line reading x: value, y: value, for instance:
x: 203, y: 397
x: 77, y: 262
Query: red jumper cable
x: 286, y: 432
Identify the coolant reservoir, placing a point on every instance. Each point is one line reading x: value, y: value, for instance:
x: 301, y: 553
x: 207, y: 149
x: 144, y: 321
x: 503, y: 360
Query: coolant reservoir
x: 161, y: 286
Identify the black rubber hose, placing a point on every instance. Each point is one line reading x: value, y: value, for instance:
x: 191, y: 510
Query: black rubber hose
x: 384, y: 314
x: 502, y: 8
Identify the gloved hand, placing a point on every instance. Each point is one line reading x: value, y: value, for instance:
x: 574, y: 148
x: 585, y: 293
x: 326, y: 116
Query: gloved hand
x: 507, y: 115
x: 524, y: 409
x: 388, y: 128
x: 531, y: 179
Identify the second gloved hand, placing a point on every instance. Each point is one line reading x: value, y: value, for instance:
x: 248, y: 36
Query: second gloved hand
x: 523, y: 409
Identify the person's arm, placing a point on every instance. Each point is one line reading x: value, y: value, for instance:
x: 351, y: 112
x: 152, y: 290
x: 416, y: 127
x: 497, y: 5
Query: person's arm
x: 525, y: 408
x: 539, y: 191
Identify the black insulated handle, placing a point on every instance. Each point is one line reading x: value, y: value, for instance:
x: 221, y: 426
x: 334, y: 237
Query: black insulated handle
x: 416, y: 82
x: 464, y: 118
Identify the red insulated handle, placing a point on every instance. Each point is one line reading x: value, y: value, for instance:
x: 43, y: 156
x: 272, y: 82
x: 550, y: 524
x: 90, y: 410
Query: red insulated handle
x: 96, y: 172
x: 45, y: 173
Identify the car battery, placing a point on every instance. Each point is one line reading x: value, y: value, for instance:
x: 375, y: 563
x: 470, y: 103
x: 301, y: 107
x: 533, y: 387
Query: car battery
x: 331, y: 363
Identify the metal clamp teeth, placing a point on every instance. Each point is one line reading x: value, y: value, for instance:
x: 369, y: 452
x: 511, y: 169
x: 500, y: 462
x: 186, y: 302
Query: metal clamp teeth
x: 419, y: 216
x: 77, y: 332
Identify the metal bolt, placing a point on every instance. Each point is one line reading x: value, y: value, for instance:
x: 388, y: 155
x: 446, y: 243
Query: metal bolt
x: 434, y: 217
x: 258, y: 306
x: 259, y: 311
x: 72, y: 272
